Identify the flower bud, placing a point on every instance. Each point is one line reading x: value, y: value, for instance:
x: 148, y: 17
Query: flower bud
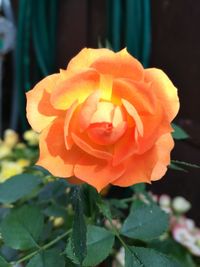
x: 4, y: 151
x: 23, y: 162
x: 120, y: 256
x: 21, y: 146
x: 180, y: 205
x: 164, y: 201
x: 11, y: 138
x: 57, y: 222
x: 31, y: 137
x: 9, y: 169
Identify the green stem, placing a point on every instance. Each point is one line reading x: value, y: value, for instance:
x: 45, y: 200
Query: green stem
x: 46, y: 246
x: 117, y: 233
x: 127, y: 200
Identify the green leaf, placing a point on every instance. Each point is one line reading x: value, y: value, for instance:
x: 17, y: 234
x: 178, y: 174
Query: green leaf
x: 145, y: 257
x: 56, y: 211
x: 91, y: 198
x: 69, y: 263
x: 117, y: 203
x: 179, y: 133
x: 79, y: 229
x: 186, y: 164
x: 99, y: 245
x: 17, y: 187
x: 48, y: 258
x: 105, y: 209
x: 176, y: 167
x: 21, y: 229
x: 70, y: 254
x: 145, y: 222
x: 175, y: 250
x: 139, y: 188
x: 4, y: 263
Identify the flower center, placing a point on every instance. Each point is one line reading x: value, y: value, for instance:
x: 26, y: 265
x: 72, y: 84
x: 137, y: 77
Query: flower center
x: 107, y: 124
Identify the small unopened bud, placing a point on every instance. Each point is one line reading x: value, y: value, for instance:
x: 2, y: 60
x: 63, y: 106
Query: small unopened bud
x: 57, y: 222
x: 31, y: 137
x: 11, y: 138
x: 4, y: 151
x: 165, y: 201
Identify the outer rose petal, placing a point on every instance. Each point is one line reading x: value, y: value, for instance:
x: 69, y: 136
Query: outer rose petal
x: 36, y: 114
x: 45, y: 107
x: 79, y: 87
x: 97, y: 173
x: 149, y: 166
x: 164, y: 145
x: 165, y: 91
x: 154, y: 126
x: 120, y: 64
x: 53, y: 154
x: 86, y: 57
x: 139, y: 94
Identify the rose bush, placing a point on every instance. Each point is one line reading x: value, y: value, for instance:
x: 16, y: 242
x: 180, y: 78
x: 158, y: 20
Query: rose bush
x: 104, y: 120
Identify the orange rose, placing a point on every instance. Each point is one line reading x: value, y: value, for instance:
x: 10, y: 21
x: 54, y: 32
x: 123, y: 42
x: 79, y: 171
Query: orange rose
x: 104, y: 120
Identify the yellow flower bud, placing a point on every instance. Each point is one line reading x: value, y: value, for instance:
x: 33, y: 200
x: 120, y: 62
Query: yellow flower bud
x: 59, y: 221
x: 9, y: 169
x: 20, y: 146
x: 11, y: 138
x: 23, y: 162
x: 31, y: 137
x: 4, y: 150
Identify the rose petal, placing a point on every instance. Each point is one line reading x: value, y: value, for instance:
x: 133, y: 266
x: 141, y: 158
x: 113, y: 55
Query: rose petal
x: 118, y: 116
x: 87, y: 147
x: 41, y: 114
x: 88, y: 109
x: 79, y: 87
x: 163, y: 147
x: 125, y: 147
x: 154, y: 127
x: 139, y: 94
x: 120, y: 64
x: 53, y: 154
x: 165, y: 91
x: 97, y: 173
x: 102, y: 134
x: 134, y: 114
x: 86, y: 57
x: 149, y: 166
x: 68, y: 139
x: 138, y: 170
x: 104, y: 113
x: 106, y: 83
x: 45, y: 107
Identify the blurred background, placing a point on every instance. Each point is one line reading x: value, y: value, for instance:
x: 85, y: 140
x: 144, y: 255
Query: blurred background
x: 37, y: 37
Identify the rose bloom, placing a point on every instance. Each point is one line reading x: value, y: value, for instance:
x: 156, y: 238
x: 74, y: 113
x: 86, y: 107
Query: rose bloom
x: 104, y: 120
